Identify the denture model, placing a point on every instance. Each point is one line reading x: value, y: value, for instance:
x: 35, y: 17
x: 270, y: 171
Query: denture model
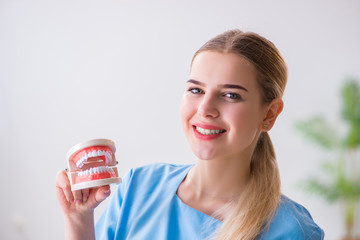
x: 92, y: 164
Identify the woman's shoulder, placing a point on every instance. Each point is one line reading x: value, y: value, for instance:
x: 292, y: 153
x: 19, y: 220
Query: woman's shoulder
x: 155, y: 174
x: 293, y: 221
x: 159, y: 170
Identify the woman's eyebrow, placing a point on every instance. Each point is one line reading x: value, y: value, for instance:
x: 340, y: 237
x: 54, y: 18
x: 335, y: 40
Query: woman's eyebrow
x: 195, y: 82
x: 234, y: 86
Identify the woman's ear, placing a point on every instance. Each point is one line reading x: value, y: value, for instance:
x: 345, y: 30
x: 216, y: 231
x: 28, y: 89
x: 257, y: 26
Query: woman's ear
x: 272, y: 112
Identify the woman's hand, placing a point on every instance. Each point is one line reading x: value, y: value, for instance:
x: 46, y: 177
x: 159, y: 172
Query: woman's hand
x: 78, y: 207
x: 80, y: 201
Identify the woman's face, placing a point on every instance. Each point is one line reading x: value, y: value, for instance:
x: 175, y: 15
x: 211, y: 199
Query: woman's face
x: 221, y: 111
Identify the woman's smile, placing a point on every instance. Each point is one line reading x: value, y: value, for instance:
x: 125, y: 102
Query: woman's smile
x: 207, y: 132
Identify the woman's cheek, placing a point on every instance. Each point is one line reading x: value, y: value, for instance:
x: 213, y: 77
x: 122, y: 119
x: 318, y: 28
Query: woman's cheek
x: 185, y: 111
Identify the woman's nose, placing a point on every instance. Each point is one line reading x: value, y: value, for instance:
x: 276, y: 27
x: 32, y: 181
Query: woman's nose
x: 208, y: 108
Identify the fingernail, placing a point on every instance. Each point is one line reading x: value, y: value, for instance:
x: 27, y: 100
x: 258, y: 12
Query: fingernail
x: 78, y: 201
x: 107, y: 191
x: 84, y: 198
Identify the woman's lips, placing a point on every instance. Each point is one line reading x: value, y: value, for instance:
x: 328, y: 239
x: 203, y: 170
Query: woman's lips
x: 207, y: 132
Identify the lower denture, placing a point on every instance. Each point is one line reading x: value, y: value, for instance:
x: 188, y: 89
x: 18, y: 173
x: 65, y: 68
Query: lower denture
x: 106, y: 173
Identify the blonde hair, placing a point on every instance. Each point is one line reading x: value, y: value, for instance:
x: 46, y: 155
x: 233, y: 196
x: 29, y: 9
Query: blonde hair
x: 253, y: 212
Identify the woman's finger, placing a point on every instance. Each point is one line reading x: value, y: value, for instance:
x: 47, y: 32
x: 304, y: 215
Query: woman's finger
x: 102, y: 194
x: 97, y: 195
x: 85, y: 194
x: 78, y: 196
x: 62, y: 182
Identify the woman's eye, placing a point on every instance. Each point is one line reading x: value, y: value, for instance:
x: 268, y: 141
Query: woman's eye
x: 233, y: 96
x: 196, y: 90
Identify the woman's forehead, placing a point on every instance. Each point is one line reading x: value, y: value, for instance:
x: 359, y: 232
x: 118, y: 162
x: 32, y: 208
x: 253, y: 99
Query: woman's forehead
x: 222, y: 68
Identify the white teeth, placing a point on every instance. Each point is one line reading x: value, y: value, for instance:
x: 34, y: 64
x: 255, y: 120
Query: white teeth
x: 94, y: 153
x: 108, y: 158
x: 95, y: 170
x: 208, y: 131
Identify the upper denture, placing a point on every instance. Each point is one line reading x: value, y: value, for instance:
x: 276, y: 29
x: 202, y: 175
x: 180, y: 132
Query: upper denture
x: 102, y: 152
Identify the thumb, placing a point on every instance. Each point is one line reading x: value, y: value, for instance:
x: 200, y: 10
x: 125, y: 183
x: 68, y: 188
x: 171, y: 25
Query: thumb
x: 98, y: 195
x: 102, y: 193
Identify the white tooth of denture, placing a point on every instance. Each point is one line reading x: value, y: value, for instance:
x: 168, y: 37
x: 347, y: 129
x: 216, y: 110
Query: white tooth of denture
x: 94, y: 153
x: 99, y: 152
x: 90, y: 154
x: 108, y: 157
x: 78, y: 162
x: 95, y: 170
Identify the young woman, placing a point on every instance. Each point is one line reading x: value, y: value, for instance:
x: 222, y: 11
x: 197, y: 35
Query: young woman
x: 232, y: 99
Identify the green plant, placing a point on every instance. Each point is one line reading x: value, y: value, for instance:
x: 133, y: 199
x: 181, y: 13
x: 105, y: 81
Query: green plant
x: 342, y: 181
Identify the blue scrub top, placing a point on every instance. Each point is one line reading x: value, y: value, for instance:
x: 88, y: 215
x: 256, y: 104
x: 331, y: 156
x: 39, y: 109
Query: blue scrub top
x: 146, y: 206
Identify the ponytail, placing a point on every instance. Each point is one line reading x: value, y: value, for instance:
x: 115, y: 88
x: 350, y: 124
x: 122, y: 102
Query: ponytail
x: 254, y: 210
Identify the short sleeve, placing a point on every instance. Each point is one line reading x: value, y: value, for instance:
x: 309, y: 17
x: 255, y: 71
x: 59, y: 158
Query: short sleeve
x: 107, y: 224
x: 292, y: 221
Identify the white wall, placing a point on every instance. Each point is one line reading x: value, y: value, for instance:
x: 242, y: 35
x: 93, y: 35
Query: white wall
x: 75, y: 70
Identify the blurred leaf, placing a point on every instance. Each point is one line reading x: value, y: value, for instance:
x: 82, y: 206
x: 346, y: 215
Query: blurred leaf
x: 351, y: 111
x: 351, y: 101
x: 330, y: 169
x: 320, y: 132
x: 315, y: 186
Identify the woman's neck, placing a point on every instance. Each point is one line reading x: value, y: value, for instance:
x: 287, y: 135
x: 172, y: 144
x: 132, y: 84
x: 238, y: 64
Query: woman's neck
x: 222, y: 179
